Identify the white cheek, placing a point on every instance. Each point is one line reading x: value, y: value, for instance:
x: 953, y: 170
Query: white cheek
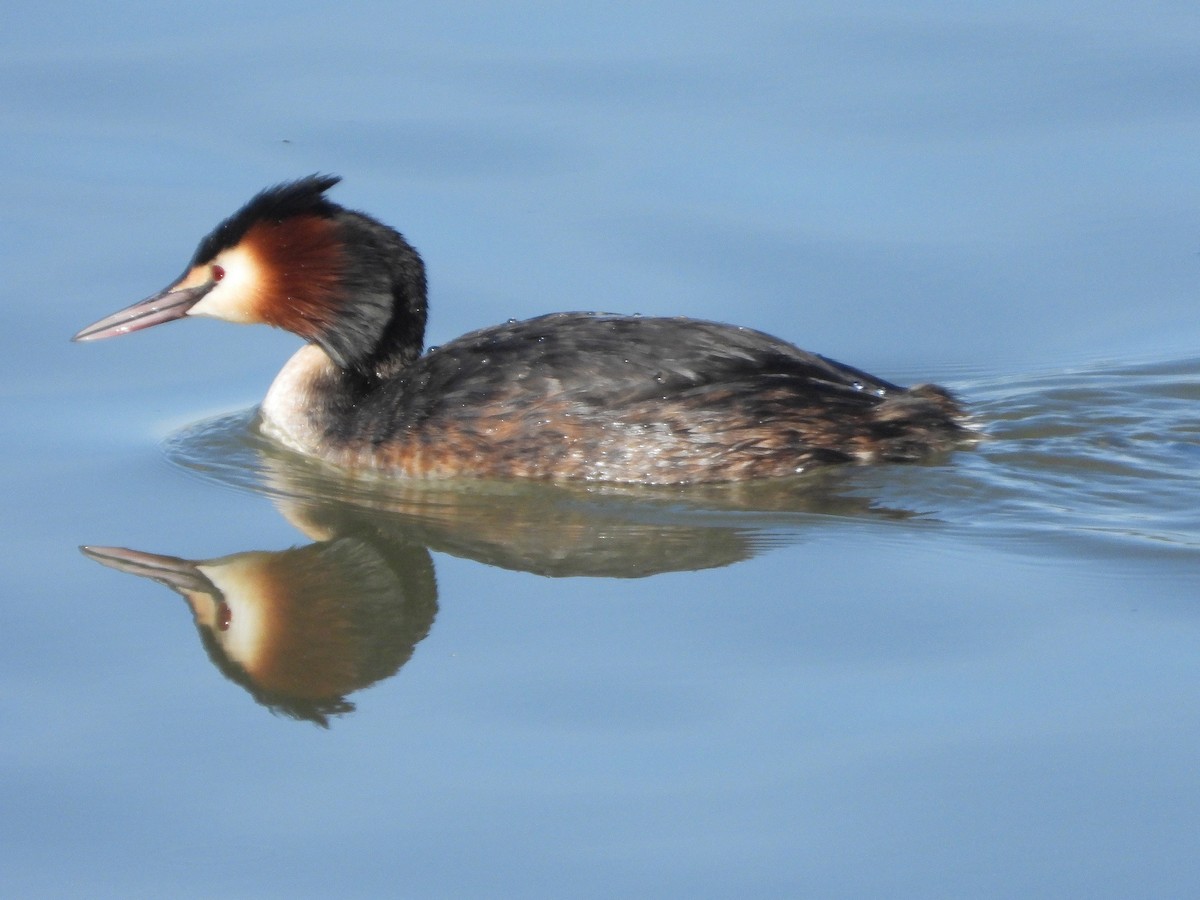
x: 246, y: 635
x: 235, y: 297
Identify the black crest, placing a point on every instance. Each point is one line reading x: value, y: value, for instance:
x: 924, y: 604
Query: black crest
x: 304, y: 196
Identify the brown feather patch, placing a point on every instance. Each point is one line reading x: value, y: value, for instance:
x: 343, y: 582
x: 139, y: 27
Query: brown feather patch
x: 302, y: 262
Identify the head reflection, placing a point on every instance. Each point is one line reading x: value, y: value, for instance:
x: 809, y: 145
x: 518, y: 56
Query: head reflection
x: 301, y: 629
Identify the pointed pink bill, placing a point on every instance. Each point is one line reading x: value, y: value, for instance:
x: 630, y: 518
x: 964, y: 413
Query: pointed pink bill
x: 174, y: 572
x: 172, y: 303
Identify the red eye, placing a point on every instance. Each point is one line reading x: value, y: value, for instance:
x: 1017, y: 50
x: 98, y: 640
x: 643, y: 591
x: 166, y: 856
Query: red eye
x: 217, y: 273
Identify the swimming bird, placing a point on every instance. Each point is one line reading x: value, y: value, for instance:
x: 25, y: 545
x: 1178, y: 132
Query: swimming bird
x: 574, y: 395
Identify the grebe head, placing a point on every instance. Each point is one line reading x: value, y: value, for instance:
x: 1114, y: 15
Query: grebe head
x: 293, y: 259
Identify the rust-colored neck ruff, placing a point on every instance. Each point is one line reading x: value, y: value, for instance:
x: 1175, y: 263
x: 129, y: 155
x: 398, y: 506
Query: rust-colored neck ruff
x: 302, y: 262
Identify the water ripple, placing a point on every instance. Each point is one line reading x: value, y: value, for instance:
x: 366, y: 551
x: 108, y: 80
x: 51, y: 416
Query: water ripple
x: 1109, y: 451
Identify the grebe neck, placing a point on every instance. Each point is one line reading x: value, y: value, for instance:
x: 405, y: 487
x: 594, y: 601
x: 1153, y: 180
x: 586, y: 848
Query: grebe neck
x: 378, y: 302
x: 311, y: 397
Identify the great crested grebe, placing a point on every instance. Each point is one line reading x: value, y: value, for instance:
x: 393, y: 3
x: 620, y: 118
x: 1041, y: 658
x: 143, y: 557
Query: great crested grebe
x: 562, y: 396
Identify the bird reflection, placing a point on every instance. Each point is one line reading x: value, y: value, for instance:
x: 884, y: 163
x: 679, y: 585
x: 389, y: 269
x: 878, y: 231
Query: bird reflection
x: 547, y: 528
x: 302, y: 629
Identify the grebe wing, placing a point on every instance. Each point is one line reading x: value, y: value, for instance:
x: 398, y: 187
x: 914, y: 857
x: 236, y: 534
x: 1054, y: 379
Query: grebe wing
x: 614, y: 360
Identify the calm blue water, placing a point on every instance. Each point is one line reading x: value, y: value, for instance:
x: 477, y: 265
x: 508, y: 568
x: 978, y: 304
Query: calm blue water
x: 975, y: 677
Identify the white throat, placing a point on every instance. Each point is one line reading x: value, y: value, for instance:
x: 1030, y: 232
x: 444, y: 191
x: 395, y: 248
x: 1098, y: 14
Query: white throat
x: 290, y: 409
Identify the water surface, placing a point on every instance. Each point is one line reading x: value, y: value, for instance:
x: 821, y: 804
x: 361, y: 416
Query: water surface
x: 974, y: 676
